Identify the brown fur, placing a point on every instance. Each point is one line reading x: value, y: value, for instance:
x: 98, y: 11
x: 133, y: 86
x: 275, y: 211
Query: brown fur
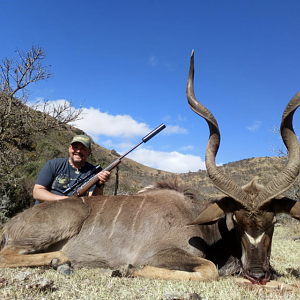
x: 145, y: 229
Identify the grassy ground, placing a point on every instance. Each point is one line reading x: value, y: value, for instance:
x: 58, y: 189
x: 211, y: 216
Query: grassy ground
x: 39, y: 283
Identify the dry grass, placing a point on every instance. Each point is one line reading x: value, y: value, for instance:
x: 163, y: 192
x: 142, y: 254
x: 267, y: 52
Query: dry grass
x: 26, y: 283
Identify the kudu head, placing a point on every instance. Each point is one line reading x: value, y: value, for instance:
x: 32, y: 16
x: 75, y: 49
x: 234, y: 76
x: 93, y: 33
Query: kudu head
x: 252, y: 207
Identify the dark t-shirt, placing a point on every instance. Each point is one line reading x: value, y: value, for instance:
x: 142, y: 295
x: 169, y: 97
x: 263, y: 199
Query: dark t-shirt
x: 57, y: 175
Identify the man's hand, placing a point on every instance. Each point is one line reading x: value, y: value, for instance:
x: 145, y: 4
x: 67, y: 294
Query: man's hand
x: 41, y: 194
x: 103, y: 176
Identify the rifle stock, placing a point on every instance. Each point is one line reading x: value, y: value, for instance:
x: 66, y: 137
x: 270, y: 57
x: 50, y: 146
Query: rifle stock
x: 94, y: 179
x: 87, y: 185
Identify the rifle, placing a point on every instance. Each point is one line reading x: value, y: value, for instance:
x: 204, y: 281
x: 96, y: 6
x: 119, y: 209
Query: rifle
x: 85, y: 183
x: 70, y: 190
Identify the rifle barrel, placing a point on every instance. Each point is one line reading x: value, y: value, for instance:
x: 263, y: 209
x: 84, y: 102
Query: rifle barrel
x: 154, y: 132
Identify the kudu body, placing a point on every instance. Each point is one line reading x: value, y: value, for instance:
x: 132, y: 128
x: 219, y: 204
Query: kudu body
x: 163, y: 232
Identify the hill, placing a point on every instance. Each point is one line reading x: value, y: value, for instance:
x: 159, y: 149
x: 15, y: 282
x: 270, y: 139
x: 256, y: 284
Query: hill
x: 242, y: 172
x: 134, y: 176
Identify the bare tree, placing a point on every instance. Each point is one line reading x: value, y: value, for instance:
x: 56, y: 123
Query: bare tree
x: 18, y: 121
x: 279, y: 151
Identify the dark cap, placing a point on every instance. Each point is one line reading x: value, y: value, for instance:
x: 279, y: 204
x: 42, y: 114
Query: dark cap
x: 83, y: 139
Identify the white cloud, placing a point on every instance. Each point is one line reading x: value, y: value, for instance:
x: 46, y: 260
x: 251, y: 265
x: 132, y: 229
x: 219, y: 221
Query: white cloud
x: 107, y: 143
x: 152, y: 60
x: 171, y: 129
x: 180, y: 118
x: 124, y: 128
x: 256, y: 125
x: 170, y: 66
x: 95, y: 123
x: 50, y: 107
x: 187, y: 148
x: 168, y: 161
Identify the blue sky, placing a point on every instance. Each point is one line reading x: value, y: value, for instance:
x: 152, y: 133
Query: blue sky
x: 128, y: 62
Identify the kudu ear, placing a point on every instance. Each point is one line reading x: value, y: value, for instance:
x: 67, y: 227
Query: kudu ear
x: 287, y: 206
x: 214, y: 212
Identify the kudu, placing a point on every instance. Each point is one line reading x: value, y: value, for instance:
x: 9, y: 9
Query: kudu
x: 163, y: 231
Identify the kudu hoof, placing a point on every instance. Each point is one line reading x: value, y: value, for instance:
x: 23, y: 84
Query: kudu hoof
x: 64, y: 269
x: 122, y: 271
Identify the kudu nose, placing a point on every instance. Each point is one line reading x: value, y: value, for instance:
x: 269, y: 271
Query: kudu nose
x: 258, y: 275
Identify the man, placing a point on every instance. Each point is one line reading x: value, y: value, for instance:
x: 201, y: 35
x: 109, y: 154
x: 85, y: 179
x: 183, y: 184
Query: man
x: 61, y: 173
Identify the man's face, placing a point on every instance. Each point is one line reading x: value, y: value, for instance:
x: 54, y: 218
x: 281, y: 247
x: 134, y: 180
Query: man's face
x: 79, y: 153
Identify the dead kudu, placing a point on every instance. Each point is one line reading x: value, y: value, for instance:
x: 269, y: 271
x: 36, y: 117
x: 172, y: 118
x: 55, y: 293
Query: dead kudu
x: 163, y: 232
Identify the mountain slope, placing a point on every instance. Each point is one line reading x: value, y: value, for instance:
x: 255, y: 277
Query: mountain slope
x: 134, y: 176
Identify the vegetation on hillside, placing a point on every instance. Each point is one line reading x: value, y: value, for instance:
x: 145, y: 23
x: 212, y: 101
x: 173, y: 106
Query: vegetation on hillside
x: 19, y: 123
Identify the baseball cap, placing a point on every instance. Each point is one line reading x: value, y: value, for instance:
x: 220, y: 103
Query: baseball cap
x: 83, y: 139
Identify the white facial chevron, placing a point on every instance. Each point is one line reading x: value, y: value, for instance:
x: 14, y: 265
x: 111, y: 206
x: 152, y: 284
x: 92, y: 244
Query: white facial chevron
x: 254, y: 241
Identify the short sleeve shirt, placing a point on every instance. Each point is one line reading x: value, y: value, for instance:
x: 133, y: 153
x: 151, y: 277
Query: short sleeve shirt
x: 57, y: 175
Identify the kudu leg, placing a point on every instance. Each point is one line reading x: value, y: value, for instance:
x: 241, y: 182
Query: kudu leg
x: 205, y: 272
x: 9, y: 258
x: 180, y: 264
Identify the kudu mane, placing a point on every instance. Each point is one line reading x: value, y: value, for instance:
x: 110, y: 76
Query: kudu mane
x: 170, y: 184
